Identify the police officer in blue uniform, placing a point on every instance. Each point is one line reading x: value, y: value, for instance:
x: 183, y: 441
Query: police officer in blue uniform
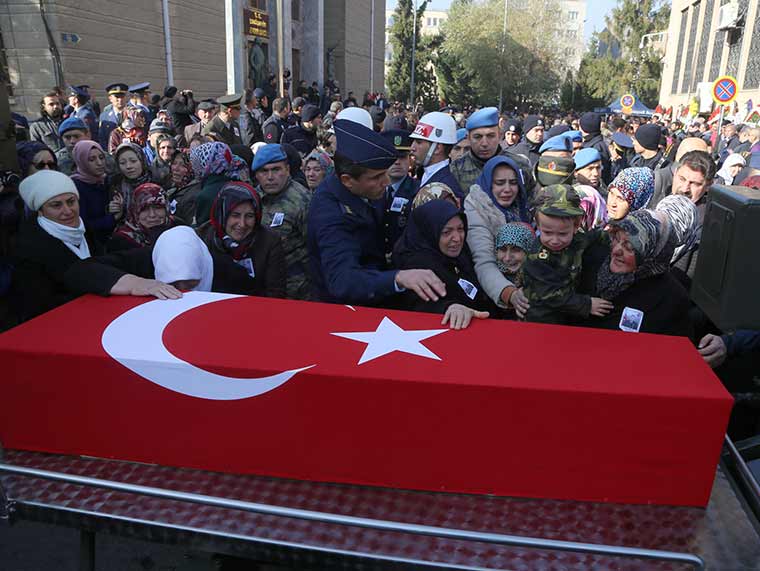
x: 345, y: 226
x: 401, y: 191
x: 112, y: 115
x: 79, y: 99
x: 138, y: 97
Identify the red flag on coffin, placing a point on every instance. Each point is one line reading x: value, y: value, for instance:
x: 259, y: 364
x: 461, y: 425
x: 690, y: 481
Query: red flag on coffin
x: 366, y: 396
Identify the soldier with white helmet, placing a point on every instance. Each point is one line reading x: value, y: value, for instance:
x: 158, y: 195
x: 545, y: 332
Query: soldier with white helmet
x: 433, y: 138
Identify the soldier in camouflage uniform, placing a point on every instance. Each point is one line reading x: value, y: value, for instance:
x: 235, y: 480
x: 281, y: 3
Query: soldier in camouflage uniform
x: 551, y: 274
x: 285, y: 204
x: 483, y: 132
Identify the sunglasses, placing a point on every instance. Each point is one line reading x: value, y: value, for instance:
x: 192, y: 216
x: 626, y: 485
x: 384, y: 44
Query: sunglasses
x: 46, y: 165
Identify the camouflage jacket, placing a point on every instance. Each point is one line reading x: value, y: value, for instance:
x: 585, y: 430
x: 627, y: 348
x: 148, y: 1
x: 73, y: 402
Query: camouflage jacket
x: 466, y: 169
x: 285, y: 213
x: 551, y: 278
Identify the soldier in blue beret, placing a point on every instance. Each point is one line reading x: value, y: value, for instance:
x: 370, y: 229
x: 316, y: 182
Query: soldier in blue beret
x: 113, y: 114
x: 588, y: 169
x: 462, y: 147
x: 557, y: 146
x: 621, y: 153
x: 485, y: 136
x: 346, y: 242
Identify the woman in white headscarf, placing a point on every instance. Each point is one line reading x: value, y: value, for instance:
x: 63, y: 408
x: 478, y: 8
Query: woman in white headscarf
x: 733, y: 164
x: 53, y: 241
x: 179, y: 258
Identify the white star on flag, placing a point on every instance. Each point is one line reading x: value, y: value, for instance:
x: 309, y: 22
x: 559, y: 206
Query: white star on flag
x: 389, y: 337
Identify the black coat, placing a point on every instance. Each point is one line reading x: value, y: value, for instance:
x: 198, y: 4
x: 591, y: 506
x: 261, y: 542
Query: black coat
x: 597, y: 142
x: 267, y: 255
x: 40, y: 265
x: 84, y: 277
x: 663, y: 300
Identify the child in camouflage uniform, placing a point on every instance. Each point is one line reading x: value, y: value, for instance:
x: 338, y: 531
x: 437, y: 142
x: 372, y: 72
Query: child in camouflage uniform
x: 552, y: 273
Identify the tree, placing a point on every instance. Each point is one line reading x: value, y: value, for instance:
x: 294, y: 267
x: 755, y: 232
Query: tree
x: 602, y: 76
x: 476, y: 52
x: 399, y: 71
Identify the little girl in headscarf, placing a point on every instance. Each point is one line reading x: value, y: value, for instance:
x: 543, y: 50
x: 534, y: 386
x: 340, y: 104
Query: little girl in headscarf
x: 147, y: 217
x: 513, y: 243
x: 133, y: 171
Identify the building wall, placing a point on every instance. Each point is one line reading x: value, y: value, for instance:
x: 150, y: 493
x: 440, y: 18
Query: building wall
x: 571, y: 31
x: 698, y: 53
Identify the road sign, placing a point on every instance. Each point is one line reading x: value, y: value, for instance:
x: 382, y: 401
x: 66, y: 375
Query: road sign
x: 627, y: 100
x: 724, y: 90
x: 70, y: 38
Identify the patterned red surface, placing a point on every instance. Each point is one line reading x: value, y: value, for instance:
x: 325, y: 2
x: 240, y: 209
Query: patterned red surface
x: 510, y: 409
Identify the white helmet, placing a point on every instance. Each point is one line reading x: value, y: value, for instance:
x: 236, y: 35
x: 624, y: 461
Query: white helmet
x: 357, y: 115
x: 436, y: 127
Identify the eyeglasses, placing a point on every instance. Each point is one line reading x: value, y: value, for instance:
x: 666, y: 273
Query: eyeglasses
x: 46, y: 165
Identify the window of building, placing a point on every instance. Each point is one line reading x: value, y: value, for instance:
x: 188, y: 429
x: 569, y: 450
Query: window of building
x: 572, y: 15
x: 295, y: 10
x: 259, y: 5
x: 428, y: 22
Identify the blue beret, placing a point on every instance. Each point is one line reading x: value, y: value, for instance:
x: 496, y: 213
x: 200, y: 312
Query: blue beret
x: 575, y: 136
x: 461, y: 134
x: 486, y: 117
x: 559, y: 143
x: 70, y: 124
x: 622, y: 140
x: 271, y: 153
x: 362, y: 146
x: 585, y: 157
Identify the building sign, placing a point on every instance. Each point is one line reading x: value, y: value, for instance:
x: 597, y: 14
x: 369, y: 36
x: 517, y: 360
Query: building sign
x: 256, y: 23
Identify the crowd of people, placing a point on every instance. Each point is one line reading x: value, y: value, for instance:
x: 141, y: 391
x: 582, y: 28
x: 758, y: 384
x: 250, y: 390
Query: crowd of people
x: 567, y: 219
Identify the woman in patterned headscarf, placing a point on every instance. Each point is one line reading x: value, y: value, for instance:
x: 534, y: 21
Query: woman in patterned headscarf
x: 635, y: 276
x: 214, y: 164
x: 630, y: 191
x: 235, y: 230
x: 147, y: 217
x: 317, y: 165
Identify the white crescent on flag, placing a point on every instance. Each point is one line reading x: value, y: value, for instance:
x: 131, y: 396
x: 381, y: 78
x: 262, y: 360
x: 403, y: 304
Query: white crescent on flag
x: 135, y: 339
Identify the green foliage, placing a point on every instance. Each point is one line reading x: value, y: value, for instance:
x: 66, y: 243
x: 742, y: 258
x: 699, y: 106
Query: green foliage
x: 477, y: 60
x: 601, y: 78
x: 399, y: 74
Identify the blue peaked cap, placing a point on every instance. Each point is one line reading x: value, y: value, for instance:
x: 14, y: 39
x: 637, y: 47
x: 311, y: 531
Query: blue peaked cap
x: 362, y: 146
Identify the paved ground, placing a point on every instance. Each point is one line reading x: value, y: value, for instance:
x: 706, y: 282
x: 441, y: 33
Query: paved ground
x: 29, y: 546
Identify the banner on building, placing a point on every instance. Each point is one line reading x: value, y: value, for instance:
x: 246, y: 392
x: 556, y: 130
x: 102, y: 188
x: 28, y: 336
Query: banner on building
x: 256, y: 23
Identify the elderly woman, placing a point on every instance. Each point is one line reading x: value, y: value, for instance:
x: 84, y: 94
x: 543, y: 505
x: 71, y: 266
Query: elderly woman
x: 179, y: 258
x: 160, y: 167
x: 147, y: 217
x: 498, y: 197
x: 732, y: 166
x: 435, y: 239
x: 183, y: 193
x: 634, y: 275
x: 98, y: 211
x: 235, y: 230
x: 630, y: 191
x: 316, y: 166
x: 51, y: 243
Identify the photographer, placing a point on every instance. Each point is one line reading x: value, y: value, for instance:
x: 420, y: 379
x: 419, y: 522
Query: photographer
x: 181, y: 107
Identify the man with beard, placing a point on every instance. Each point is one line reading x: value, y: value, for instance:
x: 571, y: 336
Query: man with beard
x: 304, y: 135
x: 45, y: 129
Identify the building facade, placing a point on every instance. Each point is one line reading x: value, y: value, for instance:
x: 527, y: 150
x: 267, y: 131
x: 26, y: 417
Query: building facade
x: 708, y: 39
x: 571, y: 30
x: 98, y: 42
x: 430, y: 25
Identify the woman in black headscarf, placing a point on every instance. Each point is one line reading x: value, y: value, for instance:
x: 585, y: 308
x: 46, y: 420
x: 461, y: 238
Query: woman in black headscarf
x: 434, y: 239
x: 234, y: 230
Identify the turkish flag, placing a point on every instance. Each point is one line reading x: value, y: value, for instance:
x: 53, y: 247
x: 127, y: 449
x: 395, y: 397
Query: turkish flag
x: 367, y: 396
